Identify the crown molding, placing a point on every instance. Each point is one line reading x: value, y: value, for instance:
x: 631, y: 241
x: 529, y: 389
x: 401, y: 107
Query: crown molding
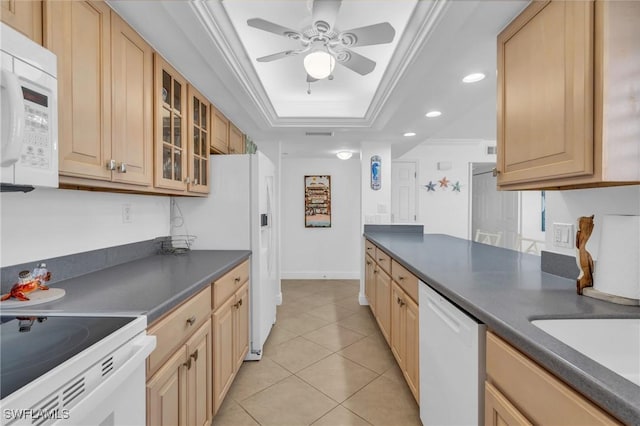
x: 216, y: 21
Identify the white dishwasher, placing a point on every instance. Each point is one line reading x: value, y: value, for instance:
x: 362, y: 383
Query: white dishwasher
x: 452, y: 360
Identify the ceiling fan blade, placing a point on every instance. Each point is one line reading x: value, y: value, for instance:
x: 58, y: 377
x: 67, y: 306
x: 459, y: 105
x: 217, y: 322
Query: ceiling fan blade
x: 278, y: 55
x: 311, y: 79
x: 365, y: 36
x: 355, y: 62
x: 268, y: 26
x: 325, y: 11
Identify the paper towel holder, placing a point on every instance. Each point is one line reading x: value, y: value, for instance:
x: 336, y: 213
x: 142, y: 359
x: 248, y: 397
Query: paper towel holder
x: 617, y: 271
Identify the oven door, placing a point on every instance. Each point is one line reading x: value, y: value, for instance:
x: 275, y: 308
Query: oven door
x: 119, y: 400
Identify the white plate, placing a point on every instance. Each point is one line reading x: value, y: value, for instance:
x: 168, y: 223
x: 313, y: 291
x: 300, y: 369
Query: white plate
x: 35, y: 298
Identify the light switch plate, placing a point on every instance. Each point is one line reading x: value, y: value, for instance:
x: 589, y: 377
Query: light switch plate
x: 563, y: 235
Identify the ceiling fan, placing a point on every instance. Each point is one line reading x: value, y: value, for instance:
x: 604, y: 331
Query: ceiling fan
x: 324, y: 45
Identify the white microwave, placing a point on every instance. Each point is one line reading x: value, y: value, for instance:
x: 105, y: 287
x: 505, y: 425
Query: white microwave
x: 29, y: 111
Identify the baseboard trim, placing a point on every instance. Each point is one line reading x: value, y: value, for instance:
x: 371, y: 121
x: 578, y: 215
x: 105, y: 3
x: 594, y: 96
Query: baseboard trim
x: 279, y: 299
x: 363, y: 300
x: 320, y: 275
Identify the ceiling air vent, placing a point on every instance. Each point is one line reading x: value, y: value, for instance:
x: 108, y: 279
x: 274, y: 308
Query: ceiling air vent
x: 491, y: 150
x: 318, y: 133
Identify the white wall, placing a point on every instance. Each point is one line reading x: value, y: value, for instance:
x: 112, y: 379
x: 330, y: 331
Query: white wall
x: 55, y: 222
x: 568, y: 206
x: 315, y: 253
x: 445, y: 211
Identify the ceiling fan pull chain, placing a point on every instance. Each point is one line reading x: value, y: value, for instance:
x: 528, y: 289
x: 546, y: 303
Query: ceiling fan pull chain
x: 309, y: 89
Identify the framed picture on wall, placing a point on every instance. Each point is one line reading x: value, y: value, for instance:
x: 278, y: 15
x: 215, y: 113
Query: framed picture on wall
x: 317, y: 201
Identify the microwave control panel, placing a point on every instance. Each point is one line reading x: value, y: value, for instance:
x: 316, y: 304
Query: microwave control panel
x: 36, y: 149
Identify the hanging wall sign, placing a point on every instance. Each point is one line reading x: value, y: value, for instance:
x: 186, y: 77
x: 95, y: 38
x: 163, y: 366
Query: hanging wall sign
x: 376, y: 170
x: 317, y: 201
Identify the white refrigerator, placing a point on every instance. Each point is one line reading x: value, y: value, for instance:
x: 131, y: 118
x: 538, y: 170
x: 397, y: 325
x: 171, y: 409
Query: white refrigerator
x: 239, y: 214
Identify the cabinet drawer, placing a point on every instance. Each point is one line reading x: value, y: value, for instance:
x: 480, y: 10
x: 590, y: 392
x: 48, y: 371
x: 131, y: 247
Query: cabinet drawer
x: 383, y: 260
x: 175, y: 328
x: 532, y: 390
x: 369, y: 248
x: 405, y: 279
x: 228, y: 284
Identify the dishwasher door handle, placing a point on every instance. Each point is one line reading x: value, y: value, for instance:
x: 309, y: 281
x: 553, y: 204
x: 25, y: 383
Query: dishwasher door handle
x: 451, y: 321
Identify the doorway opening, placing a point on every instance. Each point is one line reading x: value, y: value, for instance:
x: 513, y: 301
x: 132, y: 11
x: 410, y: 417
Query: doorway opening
x: 509, y: 219
x: 403, y: 192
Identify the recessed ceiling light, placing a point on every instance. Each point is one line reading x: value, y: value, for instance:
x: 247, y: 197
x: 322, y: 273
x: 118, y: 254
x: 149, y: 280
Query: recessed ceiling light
x: 409, y: 134
x: 344, y: 155
x: 472, y: 78
x: 432, y: 114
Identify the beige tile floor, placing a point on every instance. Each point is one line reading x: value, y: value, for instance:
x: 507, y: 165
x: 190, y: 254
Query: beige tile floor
x: 325, y: 363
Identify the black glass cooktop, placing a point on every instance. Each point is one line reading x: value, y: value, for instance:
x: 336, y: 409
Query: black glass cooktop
x: 32, y: 346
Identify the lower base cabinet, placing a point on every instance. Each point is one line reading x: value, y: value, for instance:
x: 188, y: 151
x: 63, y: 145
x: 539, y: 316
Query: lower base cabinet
x: 393, y: 301
x: 180, y: 391
x: 231, y: 341
x: 520, y: 392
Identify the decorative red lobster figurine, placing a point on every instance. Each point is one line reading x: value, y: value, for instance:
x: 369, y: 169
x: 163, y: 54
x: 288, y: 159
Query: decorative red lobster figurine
x: 26, y: 285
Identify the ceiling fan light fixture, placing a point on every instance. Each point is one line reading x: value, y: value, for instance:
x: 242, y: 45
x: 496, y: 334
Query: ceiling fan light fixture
x: 319, y: 64
x: 344, y: 155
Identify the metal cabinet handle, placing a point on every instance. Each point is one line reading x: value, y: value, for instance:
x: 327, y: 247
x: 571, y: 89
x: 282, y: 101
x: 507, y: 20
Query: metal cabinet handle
x: 368, y: 263
x: 187, y: 364
x: 191, y: 320
x: 236, y: 280
x: 375, y: 271
x: 369, y: 248
x: 195, y: 355
x: 122, y: 168
x: 495, y: 172
x: 381, y: 259
x: 240, y: 302
x: 400, y: 278
x: 111, y: 165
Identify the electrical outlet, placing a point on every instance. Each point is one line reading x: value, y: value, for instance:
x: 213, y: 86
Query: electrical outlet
x: 563, y: 235
x: 127, y: 213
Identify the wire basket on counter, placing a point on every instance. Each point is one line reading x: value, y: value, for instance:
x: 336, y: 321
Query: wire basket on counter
x: 177, y: 244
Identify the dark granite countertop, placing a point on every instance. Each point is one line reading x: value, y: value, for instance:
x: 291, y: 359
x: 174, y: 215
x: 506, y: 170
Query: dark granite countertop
x: 506, y: 289
x: 148, y: 286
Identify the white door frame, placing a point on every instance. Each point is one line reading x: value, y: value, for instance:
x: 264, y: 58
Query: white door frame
x: 415, y: 189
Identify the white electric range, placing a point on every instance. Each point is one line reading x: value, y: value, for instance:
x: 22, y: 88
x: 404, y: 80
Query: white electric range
x: 73, y: 370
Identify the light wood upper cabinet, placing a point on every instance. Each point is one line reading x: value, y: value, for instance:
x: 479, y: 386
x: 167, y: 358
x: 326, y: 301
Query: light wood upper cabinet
x: 132, y: 111
x: 236, y: 140
x: 105, y: 89
x: 79, y: 33
x: 24, y: 16
x: 199, y: 141
x: 170, y: 100
x: 566, y: 114
x: 220, y: 139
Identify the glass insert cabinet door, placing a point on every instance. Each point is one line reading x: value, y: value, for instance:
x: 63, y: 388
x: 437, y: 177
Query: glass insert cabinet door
x: 171, y: 146
x: 199, y: 134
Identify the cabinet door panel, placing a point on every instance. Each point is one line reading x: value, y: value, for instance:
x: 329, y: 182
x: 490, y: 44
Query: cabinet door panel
x: 132, y: 130
x: 370, y: 282
x: 199, y: 394
x: 199, y: 134
x: 79, y: 33
x: 24, y: 16
x: 170, y: 102
x: 412, y: 348
x: 236, y: 140
x: 220, y: 139
x: 223, y: 355
x: 166, y: 393
x: 398, y: 325
x: 241, y: 325
x: 498, y: 411
x: 383, y: 302
x: 545, y: 93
